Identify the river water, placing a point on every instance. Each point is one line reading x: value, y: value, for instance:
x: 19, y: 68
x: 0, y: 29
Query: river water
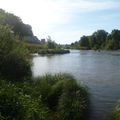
x: 100, y: 71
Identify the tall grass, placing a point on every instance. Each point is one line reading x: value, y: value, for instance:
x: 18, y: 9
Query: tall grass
x: 48, y: 97
x: 66, y: 99
x: 116, y: 112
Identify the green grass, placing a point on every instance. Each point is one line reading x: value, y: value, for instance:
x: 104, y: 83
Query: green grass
x: 43, y: 49
x: 49, y: 97
x: 116, y: 112
x: 34, y: 48
x: 53, y: 51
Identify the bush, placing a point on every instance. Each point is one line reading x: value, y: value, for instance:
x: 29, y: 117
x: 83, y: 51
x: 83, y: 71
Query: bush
x: 73, y: 103
x: 116, y: 112
x: 14, y: 105
x: 53, y: 51
x: 57, y: 97
x: 10, y: 106
x: 14, y: 64
x: 63, y: 96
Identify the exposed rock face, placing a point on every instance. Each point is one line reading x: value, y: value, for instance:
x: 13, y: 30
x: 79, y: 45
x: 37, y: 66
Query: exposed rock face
x: 32, y: 39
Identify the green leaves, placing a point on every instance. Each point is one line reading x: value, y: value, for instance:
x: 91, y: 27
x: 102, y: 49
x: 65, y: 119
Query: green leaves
x: 99, y: 40
x: 14, y: 104
x: 63, y: 96
x: 116, y: 112
x: 14, y: 64
x: 57, y: 97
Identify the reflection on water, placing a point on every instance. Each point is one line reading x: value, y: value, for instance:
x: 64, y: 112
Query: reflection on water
x: 100, y: 71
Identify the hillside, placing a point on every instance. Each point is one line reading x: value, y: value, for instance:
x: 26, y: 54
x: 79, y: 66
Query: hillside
x: 24, y: 31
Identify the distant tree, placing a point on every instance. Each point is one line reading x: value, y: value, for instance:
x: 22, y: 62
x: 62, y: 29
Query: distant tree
x: 84, y: 42
x: 98, y: 39
x: 113, y: 40
x: 51, y: 44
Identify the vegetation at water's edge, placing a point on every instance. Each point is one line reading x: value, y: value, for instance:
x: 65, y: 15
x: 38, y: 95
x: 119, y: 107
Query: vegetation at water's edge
x: 99, y: 40
x: 24, y: 33
x: 22, y: 97
x: 46, y: 49
x: 53, y: 51
x: 56, y: 97
x: 14, y: 62
x: 116, y: 112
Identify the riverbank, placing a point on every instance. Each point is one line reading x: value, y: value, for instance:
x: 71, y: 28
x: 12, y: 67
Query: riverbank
x: 87, y: 66
x: 53, y: 51
x: 48, y: 97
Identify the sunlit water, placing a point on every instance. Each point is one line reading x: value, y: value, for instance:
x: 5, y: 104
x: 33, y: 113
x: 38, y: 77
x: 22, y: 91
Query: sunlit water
x: 100, y: 71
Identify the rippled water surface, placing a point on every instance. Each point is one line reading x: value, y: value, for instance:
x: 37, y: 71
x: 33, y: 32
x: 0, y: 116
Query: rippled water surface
x: 100, y: 71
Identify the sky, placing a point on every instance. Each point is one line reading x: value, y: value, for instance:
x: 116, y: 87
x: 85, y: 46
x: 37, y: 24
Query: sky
x: 66, y: 20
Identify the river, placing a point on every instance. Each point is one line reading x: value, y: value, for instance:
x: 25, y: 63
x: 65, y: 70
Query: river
x: 100, y: 71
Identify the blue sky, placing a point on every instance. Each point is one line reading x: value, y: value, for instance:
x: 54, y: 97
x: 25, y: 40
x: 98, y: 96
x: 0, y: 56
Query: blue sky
x: 66, y: 20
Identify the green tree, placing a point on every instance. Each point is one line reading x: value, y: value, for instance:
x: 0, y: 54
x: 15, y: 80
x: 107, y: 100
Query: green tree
x: 14, y: 64
x: 98, y: 39
x: 113, y: 40
x: 84, y: 42
x: 51, y: 44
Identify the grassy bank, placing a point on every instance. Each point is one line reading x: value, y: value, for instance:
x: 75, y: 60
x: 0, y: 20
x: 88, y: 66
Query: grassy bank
x: 57, y: 97
x: 43, y: 49
x: 34, y: 48
x: 53, y: 51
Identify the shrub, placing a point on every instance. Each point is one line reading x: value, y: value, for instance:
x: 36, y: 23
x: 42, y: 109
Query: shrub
x: 14, y: 105
x: 63, y: 96
x: 10, y: 106
x: 57, y: 97
x: 116, y: 112
x: 14, y: 64
x: 73, y: 103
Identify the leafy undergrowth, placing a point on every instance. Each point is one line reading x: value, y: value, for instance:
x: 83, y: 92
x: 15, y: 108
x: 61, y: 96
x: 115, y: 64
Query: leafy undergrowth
x: 57, y: 97
x: 116, y: 112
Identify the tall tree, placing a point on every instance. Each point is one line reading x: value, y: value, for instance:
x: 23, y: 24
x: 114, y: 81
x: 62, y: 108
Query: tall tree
x: 14, y: 64
x: 84, y: 42
x: 113, y: 40
x: 98, y: 39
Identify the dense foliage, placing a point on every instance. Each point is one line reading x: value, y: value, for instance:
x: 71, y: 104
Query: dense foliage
x: 16, y: 105
x: 116, y: 112
x: 57, y: 97
x: 14, y: 63
x: 99, y: 40
x: 44, y: 98
x: 53, y: 51
x: 22, y: 97
x: 34, y: 48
